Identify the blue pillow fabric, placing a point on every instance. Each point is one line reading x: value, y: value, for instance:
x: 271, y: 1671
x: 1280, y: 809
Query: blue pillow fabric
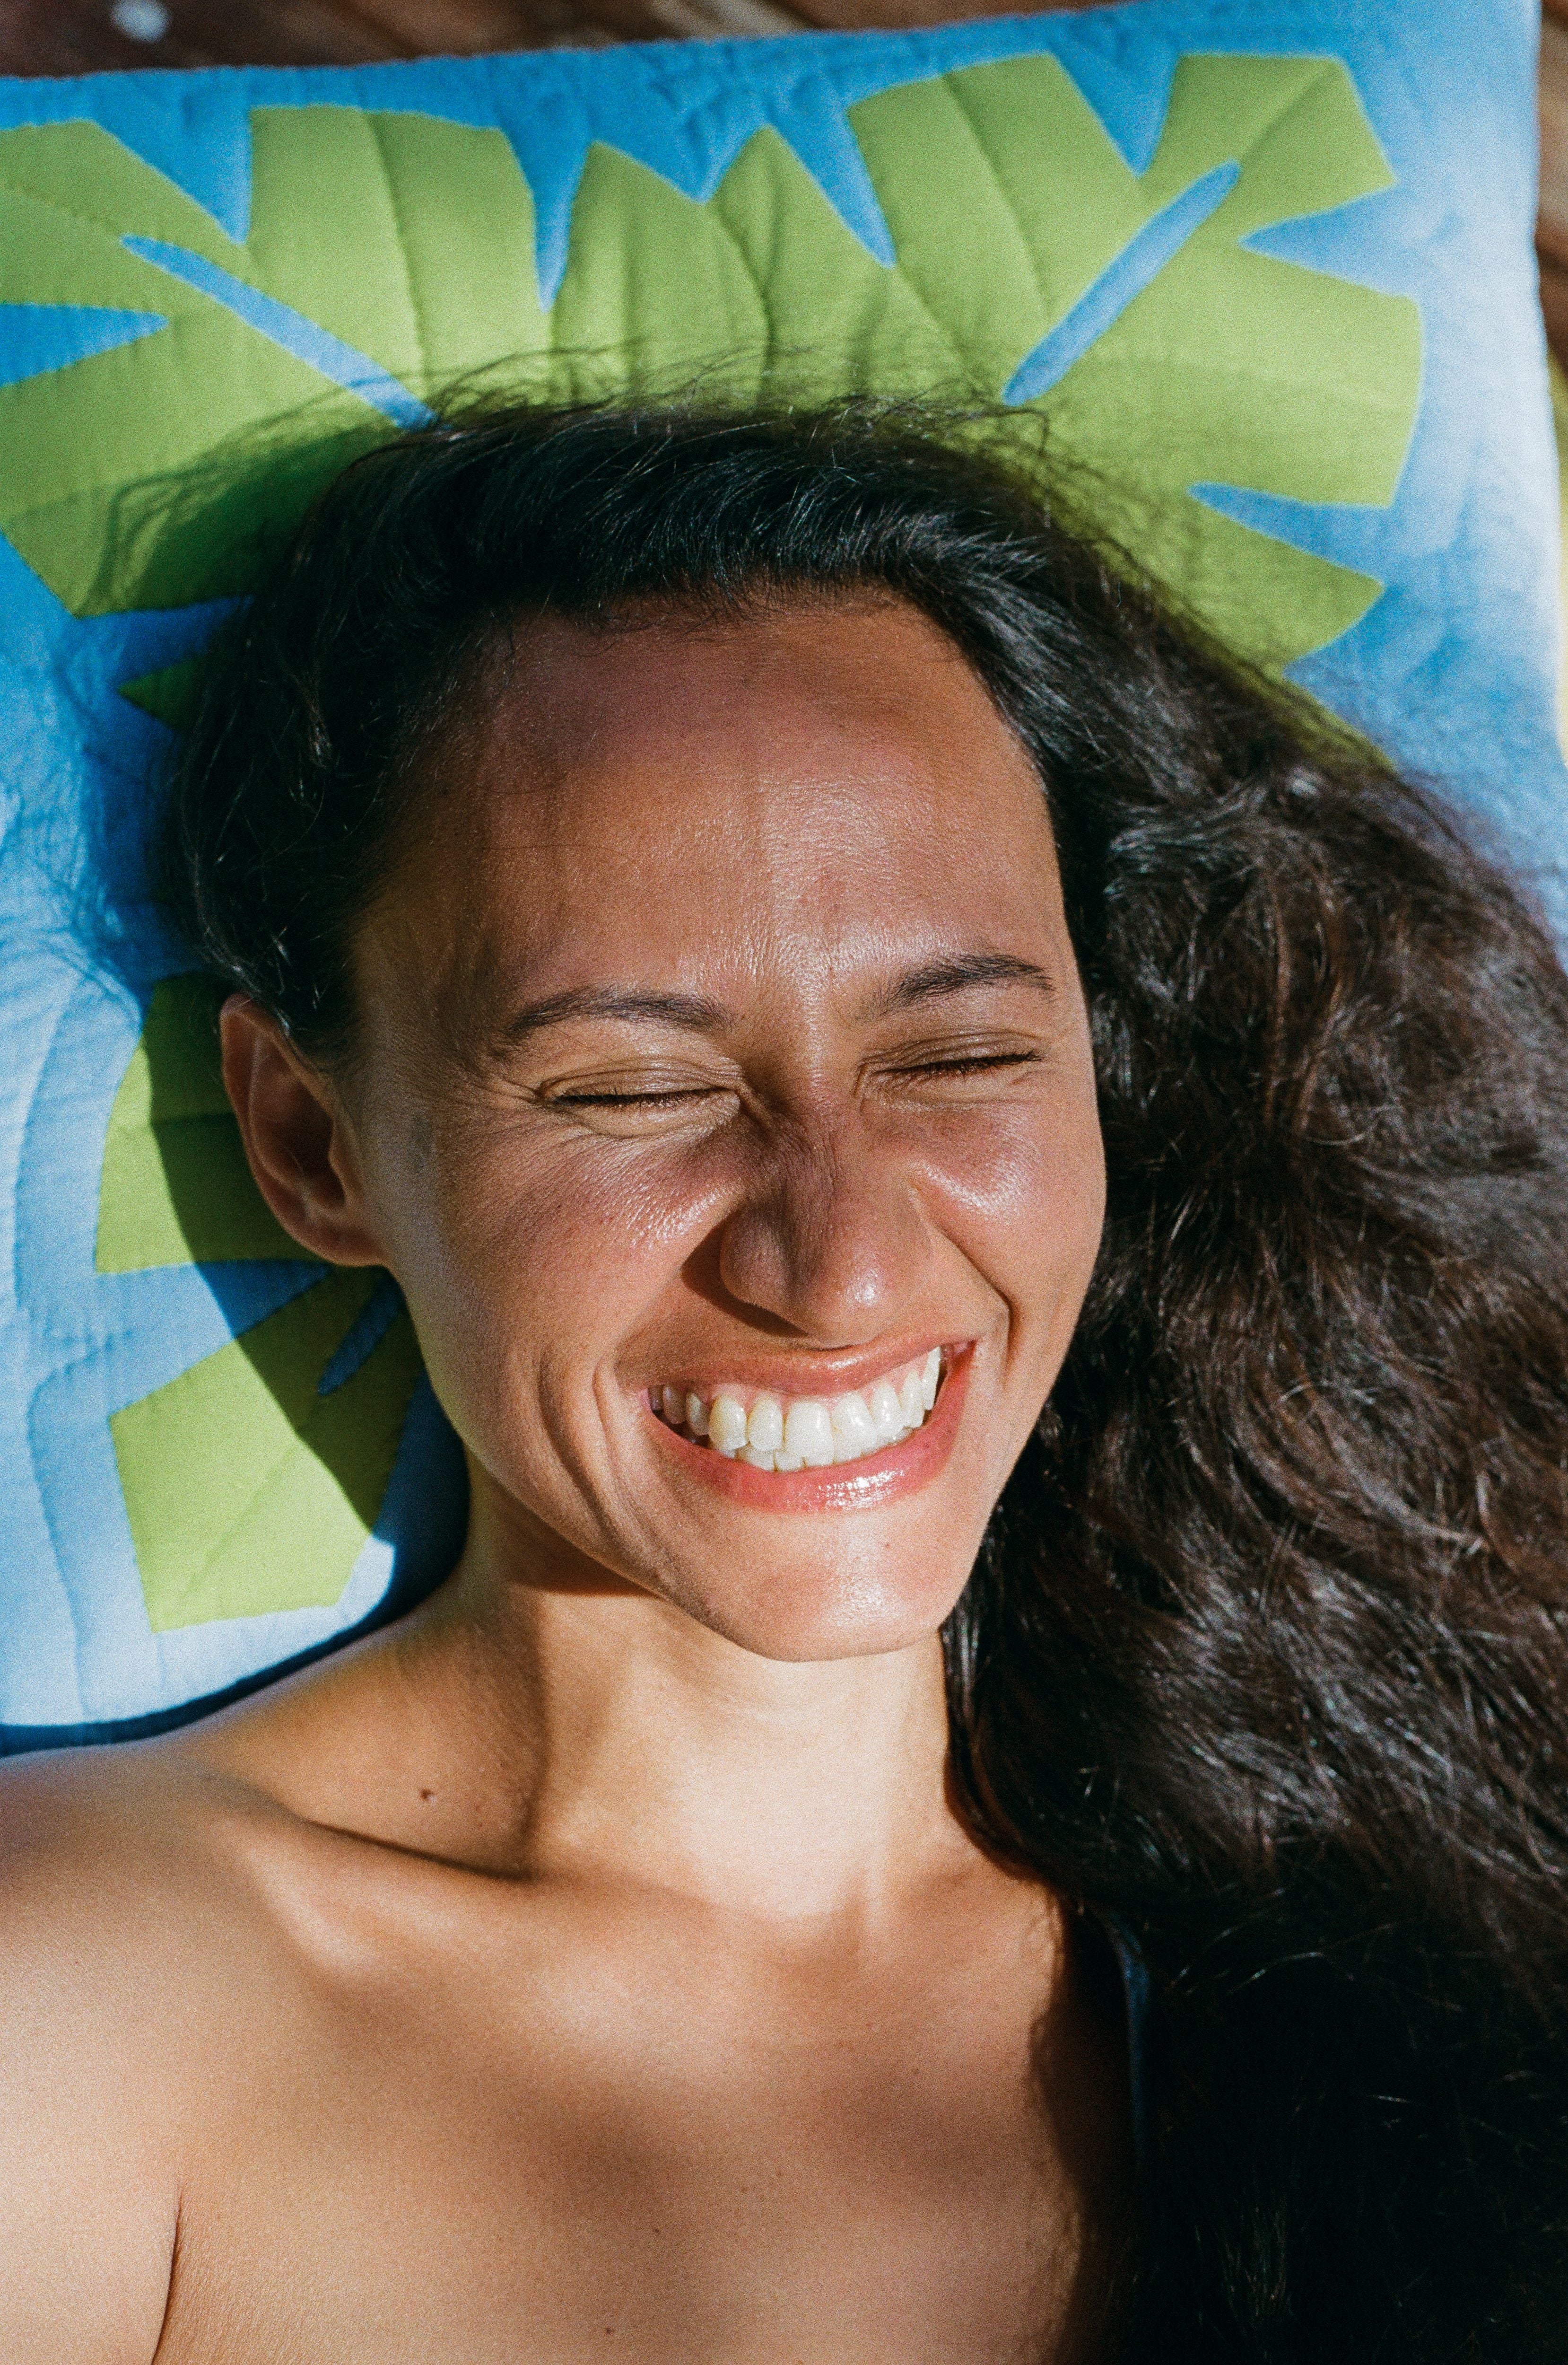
x: 1450, y: 663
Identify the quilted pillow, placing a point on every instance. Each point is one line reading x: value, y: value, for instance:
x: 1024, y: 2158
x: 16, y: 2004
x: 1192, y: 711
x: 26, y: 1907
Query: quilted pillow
x: 1264, y: 270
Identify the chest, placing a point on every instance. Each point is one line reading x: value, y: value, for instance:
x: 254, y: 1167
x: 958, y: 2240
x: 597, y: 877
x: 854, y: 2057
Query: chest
x: 390, y: 2180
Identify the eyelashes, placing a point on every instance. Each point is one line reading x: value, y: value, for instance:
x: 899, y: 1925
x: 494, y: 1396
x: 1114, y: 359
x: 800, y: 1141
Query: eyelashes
x: 980, y: 1064
x: 655, y: 1100
x: 672, y: 1097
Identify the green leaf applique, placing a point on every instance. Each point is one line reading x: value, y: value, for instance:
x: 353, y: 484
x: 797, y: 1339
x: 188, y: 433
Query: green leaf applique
x: 247, y: 1488
x: 155, y: 474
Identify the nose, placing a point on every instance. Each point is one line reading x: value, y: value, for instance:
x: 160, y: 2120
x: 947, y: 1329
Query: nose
x: 831, y: 1240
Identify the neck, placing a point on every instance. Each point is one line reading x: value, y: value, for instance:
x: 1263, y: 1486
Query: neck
x: 578, y: 1727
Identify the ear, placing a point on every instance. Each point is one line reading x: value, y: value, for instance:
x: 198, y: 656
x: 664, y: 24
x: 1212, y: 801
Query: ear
x: 298, y: 1137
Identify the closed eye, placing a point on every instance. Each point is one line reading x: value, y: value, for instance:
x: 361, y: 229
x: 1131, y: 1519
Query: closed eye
x: 666, y: 1099
x: 631, y: 1111
x: 977, y: 1063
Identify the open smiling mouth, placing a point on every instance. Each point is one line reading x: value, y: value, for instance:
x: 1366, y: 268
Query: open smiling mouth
x: 785, y: 1433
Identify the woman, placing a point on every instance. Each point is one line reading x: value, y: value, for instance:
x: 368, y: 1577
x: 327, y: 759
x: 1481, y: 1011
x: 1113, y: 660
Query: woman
x: 985, y: 1196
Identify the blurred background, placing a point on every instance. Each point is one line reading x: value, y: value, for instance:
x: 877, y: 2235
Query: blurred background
x: 63, y: 37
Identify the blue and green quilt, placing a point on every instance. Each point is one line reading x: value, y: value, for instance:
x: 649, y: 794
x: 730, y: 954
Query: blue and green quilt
x: 1264, y: 274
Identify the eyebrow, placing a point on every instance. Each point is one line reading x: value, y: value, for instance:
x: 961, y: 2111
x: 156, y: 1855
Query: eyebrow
x: 939, y: 979
x: 699, y: 1013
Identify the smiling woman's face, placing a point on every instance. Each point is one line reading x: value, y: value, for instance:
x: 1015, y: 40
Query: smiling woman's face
x: 721, y: 1037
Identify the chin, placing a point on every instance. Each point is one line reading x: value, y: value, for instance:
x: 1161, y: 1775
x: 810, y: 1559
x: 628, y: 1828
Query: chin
x: 801, y: 1617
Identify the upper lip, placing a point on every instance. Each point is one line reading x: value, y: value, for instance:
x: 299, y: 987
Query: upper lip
x: 831, y: 1373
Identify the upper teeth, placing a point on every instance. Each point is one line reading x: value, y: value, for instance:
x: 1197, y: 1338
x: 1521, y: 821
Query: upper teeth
x: 806, y: 1432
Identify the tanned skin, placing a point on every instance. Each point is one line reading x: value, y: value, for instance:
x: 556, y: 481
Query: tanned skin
x: 592, y: 1965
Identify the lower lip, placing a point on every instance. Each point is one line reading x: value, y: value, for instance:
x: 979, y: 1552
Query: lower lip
x: 866, y: 1484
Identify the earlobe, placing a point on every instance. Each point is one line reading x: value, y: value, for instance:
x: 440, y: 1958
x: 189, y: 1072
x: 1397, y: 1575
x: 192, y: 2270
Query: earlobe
x: 297, y: 1135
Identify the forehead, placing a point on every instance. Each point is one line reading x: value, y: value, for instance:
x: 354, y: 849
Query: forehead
x: 825, y: 786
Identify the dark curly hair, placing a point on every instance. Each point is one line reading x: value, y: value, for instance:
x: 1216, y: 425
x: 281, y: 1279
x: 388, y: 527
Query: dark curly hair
x: 1263, y: 1659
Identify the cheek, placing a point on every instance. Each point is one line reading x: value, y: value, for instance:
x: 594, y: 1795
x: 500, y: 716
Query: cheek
x: 1022, y: 1196
x: 516, y: 1262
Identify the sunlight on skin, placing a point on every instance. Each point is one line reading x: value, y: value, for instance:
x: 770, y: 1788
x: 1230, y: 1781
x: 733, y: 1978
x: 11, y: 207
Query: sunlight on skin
x: 797, y: 1193
x: 796, y: 1186
x: 596, y: 1954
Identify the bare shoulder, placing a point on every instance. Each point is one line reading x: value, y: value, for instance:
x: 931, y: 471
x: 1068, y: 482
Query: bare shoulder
x: 130, y: 1940
x: 135, y: 1913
